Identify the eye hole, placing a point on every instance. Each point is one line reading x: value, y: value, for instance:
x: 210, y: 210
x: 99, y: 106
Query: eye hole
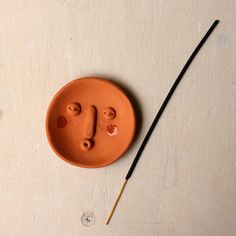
x: 109, y: 113
x: 73, y: 109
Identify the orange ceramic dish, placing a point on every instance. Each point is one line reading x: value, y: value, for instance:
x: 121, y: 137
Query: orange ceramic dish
x: 90, y: 122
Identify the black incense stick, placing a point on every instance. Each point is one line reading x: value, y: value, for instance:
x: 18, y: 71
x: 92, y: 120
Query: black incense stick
x: 158, y: 115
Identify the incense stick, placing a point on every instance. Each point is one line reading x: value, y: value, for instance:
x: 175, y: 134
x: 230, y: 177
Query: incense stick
x: 158, y: 115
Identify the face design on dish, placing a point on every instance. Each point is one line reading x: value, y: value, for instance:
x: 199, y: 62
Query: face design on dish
x: 89, y: 127
x: 90, y: 122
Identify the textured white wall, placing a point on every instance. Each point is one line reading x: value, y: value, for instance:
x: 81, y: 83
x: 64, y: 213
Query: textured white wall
x: 184, y: 184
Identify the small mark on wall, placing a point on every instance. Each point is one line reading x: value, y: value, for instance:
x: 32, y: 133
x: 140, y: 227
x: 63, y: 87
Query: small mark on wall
x: 88, y: 219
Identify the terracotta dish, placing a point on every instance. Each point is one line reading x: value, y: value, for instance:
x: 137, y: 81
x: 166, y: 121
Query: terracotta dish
x: 90, y: 122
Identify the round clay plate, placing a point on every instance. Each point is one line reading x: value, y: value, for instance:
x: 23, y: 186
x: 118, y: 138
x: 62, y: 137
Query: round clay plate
x: 90, y: 122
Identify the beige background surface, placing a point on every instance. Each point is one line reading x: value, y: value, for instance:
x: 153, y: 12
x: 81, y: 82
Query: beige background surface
x: 184, y: 184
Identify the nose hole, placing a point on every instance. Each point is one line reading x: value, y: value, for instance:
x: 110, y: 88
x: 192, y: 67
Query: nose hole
x: 86, y: 144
